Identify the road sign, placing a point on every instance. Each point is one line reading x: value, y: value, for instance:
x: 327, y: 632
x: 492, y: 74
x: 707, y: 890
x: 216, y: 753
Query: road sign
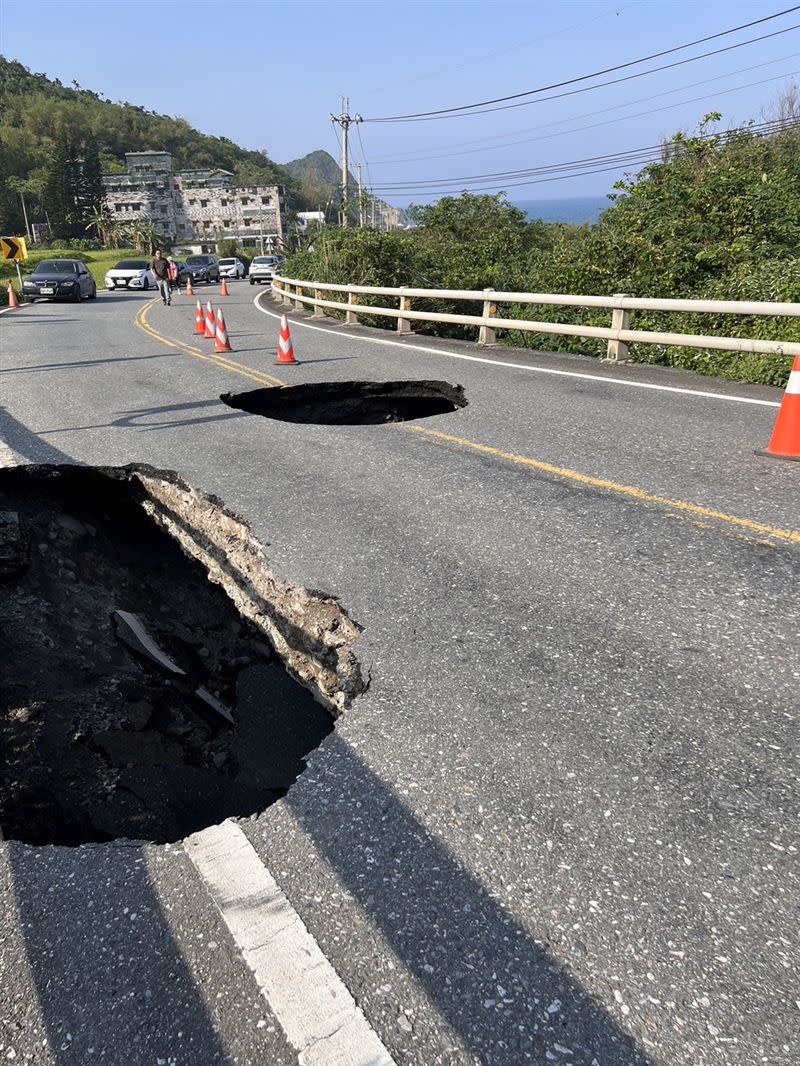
x: 13, y: 248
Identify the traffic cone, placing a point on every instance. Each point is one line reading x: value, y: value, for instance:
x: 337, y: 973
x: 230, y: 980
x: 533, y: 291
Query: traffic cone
x: 12, y: 296
x: 189, y: 289
x: 285, y: 349
x: 211, y: 326
x: 221, y: 342
x: 199, y: 320
x: 785, y: 440
x: 223, y: 289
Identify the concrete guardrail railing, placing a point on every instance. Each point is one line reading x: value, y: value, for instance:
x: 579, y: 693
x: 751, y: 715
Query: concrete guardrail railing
x: 619, y: 334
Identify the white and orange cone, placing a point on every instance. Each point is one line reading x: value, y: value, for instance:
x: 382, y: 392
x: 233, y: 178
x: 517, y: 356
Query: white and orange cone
x: 211, y: 325
x: 285, y: 349
x: 223, y: 289
x: 189, y: 289
x: 12, y: 297
x: 785, y: 440
x: 221, y: 342
x: 199, y: 320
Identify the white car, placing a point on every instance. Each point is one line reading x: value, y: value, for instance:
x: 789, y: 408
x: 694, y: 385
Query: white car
x: 231, y: 268
x: 263, y: 267
x: 131, y: 274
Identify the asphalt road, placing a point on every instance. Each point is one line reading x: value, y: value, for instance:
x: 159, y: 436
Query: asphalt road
x: 561, y: 825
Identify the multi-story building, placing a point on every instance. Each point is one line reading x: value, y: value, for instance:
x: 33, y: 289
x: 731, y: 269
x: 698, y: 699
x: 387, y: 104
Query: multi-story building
x: 195, y: 207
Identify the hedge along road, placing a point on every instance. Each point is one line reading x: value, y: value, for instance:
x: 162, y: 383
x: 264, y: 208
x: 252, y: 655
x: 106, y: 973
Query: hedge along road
x: 557, y: 819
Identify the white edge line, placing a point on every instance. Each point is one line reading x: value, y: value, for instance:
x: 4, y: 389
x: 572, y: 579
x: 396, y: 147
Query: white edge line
x: 525, y: 366
x: 320, y: 1018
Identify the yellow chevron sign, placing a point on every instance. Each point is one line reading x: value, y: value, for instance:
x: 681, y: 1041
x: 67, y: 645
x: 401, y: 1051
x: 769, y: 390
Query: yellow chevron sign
x: 13, y: 248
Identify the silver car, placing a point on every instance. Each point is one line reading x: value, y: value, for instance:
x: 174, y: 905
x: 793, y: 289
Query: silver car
x: 263, y: 267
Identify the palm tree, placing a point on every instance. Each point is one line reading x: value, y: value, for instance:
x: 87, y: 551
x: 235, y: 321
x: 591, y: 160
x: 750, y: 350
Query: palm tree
x: 102, y: 223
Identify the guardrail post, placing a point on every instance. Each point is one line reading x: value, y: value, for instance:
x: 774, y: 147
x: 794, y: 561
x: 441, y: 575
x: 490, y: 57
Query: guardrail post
x: 319, y: 312
x: 486, y: 335
x: 298, y: 304
x: 351, y: 318
x: 404, y: 324
x: 617, y: 351
x: 287, y: 299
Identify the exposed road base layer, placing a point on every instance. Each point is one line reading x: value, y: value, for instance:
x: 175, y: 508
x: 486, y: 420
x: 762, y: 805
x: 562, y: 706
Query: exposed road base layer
x: 351, y: 403
x: 98, y: 739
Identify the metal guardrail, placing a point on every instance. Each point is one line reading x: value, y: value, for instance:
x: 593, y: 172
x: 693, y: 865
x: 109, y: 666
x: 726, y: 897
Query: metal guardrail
x: 619, y: 335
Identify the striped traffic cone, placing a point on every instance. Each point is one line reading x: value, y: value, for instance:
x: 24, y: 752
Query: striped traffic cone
x: 12, y: 297
x: 199, y: 320
x: 189, y: 289
x: 211, y: 326
x: 785, y: 440
x: 223, y: 289
x: 285, y: 349
x: 221, y: 342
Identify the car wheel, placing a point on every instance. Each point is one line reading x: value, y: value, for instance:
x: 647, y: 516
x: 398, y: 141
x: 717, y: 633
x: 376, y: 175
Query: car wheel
x: 31, y: 299
x: 93, y: 293
x: 252, y: 282
x: 146, y: 285
x: 76, y: 294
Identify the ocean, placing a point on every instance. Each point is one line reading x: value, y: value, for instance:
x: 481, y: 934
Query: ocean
x: 576, y: 209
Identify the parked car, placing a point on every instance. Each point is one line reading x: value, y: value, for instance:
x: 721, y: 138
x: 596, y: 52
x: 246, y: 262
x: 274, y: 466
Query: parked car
x: 59, y: 279
x: 232, y: 268
x: 131, y: 274
x: 263, y: 267
x: 183, y: 270
x: 203, y: 268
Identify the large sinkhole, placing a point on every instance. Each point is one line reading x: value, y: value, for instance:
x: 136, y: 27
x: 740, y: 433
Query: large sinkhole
x: 157, y: 677
x: 351, y: 403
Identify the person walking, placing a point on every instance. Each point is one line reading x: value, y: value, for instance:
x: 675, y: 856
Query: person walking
x: 161, y: 270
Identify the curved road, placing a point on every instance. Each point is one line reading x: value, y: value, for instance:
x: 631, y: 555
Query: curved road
x: 560, y: 826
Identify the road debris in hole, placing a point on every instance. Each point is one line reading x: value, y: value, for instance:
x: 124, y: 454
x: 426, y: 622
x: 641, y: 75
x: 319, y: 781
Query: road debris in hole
x: 144, y: 691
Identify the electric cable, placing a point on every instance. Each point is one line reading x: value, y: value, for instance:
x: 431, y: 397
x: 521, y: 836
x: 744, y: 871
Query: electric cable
x: 483, y: 108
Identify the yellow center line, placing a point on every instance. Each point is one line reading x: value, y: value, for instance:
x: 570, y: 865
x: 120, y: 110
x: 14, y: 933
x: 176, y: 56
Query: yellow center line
x: 258, y: 376
x: 630, y: 491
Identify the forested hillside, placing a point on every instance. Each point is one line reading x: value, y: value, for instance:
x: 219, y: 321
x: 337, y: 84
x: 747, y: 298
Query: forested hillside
x: 718, y: 216
x: 34, y: 109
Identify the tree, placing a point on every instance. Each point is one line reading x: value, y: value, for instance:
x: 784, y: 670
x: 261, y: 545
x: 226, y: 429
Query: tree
x: 60, y: 192
x: 103, y: 225
x: 91, y: 194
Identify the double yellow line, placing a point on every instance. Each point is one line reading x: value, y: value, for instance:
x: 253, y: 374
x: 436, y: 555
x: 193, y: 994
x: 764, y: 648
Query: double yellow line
x: 258, y: 376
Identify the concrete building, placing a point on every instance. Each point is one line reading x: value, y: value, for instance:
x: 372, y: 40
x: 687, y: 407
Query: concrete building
x: 195, y: 208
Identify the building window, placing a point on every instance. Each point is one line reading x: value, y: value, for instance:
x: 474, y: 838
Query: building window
x: 204, y: 203
x: 248, y: 222
x: 266, y: 200
x: 227, y: 223
x: 223, y: 203
x: 192, y: 203
x: 245, y: 200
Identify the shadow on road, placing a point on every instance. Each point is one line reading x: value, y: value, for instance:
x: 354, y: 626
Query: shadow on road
x: 489, y: 979
x: 132, y: 419
x: 75, y: 364
x: 111, y: 981
x: 27, y: 444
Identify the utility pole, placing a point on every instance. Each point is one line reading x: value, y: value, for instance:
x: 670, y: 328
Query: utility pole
x: 345, y: 120
x: 359, y: 168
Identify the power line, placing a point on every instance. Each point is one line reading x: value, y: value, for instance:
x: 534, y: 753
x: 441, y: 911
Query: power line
x: 472, y: 109
x: 411, y: 157
x: 588, y: 165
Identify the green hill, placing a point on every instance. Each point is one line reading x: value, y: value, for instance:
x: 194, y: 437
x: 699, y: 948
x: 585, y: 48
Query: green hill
x: 33, y: 108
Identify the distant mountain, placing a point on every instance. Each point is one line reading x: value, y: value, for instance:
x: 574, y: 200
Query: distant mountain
x: 318, y: 178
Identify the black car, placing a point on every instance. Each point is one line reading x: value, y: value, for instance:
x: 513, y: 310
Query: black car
x: 203, y: 268
x: 59, y: 279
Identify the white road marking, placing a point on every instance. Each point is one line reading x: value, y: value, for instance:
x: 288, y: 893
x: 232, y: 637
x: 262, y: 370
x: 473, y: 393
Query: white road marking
x: 533, y: 369
x: 314, y: 1008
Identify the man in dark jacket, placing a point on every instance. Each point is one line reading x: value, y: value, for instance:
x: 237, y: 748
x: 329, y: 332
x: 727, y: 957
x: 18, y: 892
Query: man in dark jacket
x: 160, y: 269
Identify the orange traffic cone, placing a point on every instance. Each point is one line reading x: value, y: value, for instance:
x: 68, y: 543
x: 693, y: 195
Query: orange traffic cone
x: 199, y: 320
x: 189, y: 289
x: 785, y: 440
x: 211, y: 326
x: 223, y: 289
x: 285, y: 349
x: 12, y: 296
x: 221, y: 342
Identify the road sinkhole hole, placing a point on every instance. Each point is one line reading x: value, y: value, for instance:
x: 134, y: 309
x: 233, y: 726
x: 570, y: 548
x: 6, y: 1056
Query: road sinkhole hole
x: 157, y: 676
x: 351, y: 403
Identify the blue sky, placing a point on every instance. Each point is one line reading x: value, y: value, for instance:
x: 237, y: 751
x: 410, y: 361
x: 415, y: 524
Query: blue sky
x: 269, y: 74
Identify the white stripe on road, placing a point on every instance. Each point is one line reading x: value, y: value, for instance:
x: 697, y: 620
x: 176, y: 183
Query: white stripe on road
x: 314, y: 1008
x: 527, y: 366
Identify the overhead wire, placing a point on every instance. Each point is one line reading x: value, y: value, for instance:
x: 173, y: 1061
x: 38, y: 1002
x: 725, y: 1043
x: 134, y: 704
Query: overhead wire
x: 484, y: 107
x: 484, y: 144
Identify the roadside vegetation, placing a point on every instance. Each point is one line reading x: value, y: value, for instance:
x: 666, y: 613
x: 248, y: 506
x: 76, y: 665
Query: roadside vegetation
x: 717, y: 217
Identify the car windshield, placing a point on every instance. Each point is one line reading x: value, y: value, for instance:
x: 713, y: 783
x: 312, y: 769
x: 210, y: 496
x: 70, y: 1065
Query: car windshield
x: 197, y: 260
x: 227, y: 262
x: 131, y: 264
x: 265, y: 260
x: 56, y: 266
